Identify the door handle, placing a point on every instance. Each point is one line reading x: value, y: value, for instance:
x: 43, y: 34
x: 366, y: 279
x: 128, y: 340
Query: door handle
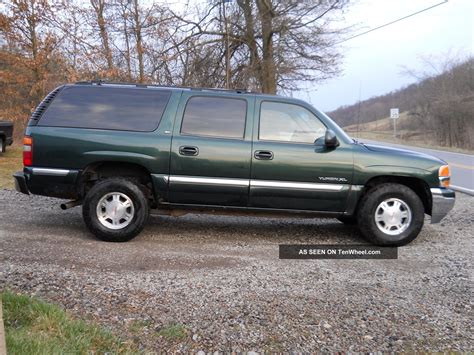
x: 188, y: 150
x: 263, y: 155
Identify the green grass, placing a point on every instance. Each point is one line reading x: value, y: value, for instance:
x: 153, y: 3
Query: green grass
x: 10, y: 162
x: 36, y: 327
x: 173, y: 332
x: 139, y: 325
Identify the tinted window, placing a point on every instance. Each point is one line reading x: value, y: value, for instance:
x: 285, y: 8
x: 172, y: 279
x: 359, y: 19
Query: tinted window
x: 289, y: 123
x: 107, y: 108
x: 215, y: 116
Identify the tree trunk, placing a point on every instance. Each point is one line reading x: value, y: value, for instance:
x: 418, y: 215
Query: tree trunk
x: 37, y: 90
x: 138, y: 37
x: 268, y: 74
x: 254, y: 62
x: 127, y: 47
x: 98, y: 6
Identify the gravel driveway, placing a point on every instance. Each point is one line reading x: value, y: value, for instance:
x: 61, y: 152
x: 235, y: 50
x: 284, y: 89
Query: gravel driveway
x: 216, y: 283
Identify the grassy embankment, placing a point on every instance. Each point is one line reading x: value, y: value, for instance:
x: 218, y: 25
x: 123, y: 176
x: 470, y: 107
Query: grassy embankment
x: 36, y: 327
x: 382, y: 130
x: 10, y: 162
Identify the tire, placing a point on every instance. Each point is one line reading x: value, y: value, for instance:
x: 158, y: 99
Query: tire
x: 115, y: 210
x: 348, y: 220
x: 2, y: 145
x: 399, y: 211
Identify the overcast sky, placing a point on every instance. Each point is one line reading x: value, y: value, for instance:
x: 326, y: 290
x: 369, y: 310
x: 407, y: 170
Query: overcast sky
x: 373, y: 63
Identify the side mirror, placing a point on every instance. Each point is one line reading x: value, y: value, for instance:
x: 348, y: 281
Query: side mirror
x: 330, y: 139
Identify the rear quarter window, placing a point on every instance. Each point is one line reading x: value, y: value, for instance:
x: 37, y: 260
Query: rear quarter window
x: 107, y: 108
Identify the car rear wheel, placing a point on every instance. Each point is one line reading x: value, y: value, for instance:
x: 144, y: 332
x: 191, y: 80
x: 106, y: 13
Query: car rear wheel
x: 2, y: 145
x: 115, y: 210
x: 391, y: 215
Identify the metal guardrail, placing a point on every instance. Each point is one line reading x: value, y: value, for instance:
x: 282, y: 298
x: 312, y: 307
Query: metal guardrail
x: 463, y: 190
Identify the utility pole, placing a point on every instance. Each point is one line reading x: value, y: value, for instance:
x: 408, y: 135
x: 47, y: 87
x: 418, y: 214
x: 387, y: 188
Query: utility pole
x: 227, y: 51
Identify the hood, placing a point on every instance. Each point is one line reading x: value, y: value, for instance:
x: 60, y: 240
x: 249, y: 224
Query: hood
x: 397, y: 151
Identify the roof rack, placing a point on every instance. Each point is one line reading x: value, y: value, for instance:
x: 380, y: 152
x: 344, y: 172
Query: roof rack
x: 101, y: 82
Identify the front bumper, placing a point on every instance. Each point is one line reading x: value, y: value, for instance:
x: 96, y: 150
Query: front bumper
x: 20, y: 182
x: 443, y: 202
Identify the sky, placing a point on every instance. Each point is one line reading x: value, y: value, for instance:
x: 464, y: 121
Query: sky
x: 373, y: 64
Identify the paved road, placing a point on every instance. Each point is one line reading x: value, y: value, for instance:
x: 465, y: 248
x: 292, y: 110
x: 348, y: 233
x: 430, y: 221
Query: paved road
x: 462, y: 165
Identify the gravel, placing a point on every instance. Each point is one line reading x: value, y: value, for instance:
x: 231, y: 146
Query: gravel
x: 206, y: 283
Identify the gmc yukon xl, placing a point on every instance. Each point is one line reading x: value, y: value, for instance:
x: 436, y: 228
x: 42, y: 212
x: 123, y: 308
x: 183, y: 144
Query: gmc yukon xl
x: 120, y: 150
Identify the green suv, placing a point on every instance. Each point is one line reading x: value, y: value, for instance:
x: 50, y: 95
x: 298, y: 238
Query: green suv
x: 123, y: 149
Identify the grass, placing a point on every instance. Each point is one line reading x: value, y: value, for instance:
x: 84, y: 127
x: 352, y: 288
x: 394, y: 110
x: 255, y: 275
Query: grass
x: 139, y: 325
x: 33, y: 326
x: 387, y: 137
x: 173, y: 332
x: 10, y: 162
x: 382, y: 130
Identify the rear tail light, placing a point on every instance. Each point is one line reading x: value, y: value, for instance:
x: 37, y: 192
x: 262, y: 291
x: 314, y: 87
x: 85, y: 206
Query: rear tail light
x: 444, y: 176
x: 27, y: 151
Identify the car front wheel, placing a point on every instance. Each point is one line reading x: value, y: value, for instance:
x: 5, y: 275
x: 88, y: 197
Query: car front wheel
x: 391, y: 215
x: 115, y: 210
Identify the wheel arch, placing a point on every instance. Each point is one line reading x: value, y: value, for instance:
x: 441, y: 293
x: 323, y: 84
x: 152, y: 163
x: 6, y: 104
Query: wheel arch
x: 419, y: 186
x: 107, y: 169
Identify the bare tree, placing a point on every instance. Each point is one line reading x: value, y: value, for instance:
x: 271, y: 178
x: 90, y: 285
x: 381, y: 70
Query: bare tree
x: 99, y: 7
x: 281, y: 42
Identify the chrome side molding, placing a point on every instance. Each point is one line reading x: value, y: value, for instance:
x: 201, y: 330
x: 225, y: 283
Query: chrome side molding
x: 208, y: 180
x: 256, y: 183
x: 296, y: 185
x: 50, y: 172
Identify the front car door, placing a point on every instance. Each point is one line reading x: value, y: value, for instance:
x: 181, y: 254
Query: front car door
x: 290, y: 171
x: 211, y: 150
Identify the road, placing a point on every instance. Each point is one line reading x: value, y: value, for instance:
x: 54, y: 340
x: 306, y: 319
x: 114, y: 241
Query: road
x: 462, y: 165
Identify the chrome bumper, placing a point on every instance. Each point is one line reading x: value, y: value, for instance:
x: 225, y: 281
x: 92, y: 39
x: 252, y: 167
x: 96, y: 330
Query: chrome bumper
x: 443, y: 202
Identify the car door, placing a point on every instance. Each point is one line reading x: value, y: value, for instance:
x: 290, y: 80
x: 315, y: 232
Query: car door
x: 211, y: 149
x: 290, y: 171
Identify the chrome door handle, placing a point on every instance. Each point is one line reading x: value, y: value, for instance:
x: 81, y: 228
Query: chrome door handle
x: 188, y: 150
x: 263, y: 155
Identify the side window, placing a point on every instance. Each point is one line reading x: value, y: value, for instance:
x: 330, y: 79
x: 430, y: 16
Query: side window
x: 107, y: 108
x: 214, y: 116
x: 288, y: 123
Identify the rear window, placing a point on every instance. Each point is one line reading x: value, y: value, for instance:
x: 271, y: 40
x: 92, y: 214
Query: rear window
x: 215, y: 117
x: 107, y: 108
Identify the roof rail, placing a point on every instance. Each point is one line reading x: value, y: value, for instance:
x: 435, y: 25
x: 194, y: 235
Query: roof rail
x: 101, y: 82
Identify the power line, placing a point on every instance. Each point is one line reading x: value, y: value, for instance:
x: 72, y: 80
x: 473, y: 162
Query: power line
x: 392, y: 22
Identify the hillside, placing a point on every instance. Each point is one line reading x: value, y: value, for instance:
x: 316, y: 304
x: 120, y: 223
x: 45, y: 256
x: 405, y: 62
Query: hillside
x: 440, y: 109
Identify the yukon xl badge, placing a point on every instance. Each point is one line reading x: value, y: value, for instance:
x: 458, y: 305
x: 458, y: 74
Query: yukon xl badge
x: 332, y: 178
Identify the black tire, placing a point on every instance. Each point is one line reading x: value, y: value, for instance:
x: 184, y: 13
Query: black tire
x: 3, y: 145
x: 369, y: 205
x: 124, y: 187
x: 348, y: 220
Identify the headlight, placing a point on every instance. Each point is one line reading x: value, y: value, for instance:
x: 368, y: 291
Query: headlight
x: 444, y: 175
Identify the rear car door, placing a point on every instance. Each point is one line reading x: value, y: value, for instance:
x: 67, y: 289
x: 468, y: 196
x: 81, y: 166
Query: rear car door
x: 290, y: 171
x: 211, y: 149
